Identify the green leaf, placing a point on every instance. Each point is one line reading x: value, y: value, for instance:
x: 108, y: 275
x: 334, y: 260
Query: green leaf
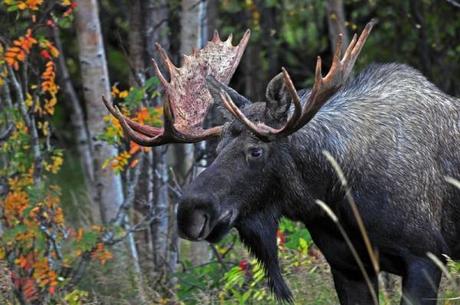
x: 134, y: 98
x: 88, y: 241
x: 12, y: 8
x: 151, y: 83
x: 10, y: 234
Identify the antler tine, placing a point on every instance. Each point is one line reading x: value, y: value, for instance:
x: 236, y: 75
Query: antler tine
x: 262, y: 131
x: 295, y: 98
x: 215, y: 36
x: 352, y: 44
x: 168, y: 117
x: 229, y: 39
x: 244, y: 41
x: 172, y: 69
x: 149, y: 131
x: 160, y: 76
x: 338, y: 49
x: 143, y: 135
x: 137, y: 137
x: 355, y: 48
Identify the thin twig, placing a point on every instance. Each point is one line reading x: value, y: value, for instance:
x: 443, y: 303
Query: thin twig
x: 19, y: 96
x: 130, y: 195
x: 31, y: 124
x: 7, y: 132
x: 140, y: 226
x: 138, y: 78
x: 219, y: 257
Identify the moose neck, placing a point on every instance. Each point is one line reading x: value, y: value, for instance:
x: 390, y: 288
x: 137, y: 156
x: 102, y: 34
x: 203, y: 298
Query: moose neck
x: 308, y: 174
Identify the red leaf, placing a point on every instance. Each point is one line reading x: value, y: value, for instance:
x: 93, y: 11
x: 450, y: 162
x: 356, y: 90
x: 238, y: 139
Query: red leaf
x: 45, y: 54
x: 244, y: 265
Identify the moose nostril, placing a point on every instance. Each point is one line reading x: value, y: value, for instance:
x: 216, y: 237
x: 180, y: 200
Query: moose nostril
x: 194, y: 225
x: 204, y: 227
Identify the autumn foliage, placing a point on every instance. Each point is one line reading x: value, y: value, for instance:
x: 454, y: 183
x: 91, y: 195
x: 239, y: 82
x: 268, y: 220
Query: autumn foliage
x: 130, y: 104
x: 42, y: 255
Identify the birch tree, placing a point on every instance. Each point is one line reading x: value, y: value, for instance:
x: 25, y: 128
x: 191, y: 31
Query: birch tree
x: 106, y: 186
x: 156, y: 29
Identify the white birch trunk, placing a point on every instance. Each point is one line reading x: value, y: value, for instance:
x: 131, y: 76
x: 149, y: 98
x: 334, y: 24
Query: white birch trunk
x: 107, y: 190
x: 156, y: 15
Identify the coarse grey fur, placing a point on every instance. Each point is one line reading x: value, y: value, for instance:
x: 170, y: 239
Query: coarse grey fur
x: 395, y: 135
x: 392, y: 122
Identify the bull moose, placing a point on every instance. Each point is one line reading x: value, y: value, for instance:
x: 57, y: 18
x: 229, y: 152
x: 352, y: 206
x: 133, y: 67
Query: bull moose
x: 394, y: 135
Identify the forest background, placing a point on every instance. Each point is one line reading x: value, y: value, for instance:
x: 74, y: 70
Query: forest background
x: 87, y: 217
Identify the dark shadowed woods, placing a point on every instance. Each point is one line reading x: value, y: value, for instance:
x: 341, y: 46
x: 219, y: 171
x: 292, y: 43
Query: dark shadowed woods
x: 88, y: 217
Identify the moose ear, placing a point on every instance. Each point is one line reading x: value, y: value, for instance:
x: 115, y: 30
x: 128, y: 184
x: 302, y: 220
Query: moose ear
x: 215, y: 87
x: 278, y: 99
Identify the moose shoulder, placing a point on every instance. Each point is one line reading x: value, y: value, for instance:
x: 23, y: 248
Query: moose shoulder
x: 395, y: 136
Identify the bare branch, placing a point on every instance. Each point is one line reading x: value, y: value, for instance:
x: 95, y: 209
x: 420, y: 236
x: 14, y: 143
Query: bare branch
x: 130, y: 195
x: 7, y: 132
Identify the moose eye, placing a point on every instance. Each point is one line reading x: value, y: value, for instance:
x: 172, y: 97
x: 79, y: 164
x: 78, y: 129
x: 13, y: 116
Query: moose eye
x: 256, y: 152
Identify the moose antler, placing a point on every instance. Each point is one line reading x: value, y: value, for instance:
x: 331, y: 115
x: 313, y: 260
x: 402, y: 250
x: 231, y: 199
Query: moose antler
x: 322, y: 90
x: 187, y: 98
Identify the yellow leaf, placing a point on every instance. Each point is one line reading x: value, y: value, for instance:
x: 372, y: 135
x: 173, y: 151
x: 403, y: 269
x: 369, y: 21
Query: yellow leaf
x: 123, y: 94
x: 28, y: 100
x: 22, y: 6
x: 115, y: 90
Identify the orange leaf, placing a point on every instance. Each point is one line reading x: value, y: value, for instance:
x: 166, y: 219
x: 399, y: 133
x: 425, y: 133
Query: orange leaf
x: 29, y: 289
x: 134, y: 163
x: 134, y: 148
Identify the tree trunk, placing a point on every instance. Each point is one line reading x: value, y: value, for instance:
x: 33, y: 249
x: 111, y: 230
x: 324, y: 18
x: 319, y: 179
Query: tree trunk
x: 136, y: 44
x: 423, y: 48
x: 336, y: 23
x: 156, y: 29
x: 269, y: 27
x: 156, y: 14
x: 160, y: 225
x: 137, y: 78
x: 254, y: 87
x: 106, y: 186
x: 212, y: 11
x: 77, y: 117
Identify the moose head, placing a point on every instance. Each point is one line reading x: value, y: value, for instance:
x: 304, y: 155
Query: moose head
x: 241, y: 188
